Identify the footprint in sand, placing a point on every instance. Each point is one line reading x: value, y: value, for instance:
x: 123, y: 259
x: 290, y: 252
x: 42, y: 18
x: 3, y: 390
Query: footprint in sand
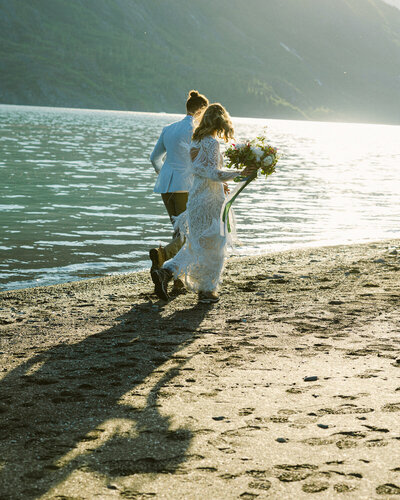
x: 342, y: 396
x: 289, y: 473
x: 343, y: 487
x: 345, y: 409
x: 208, y: 469
x: 369, y: 374
x: 259, y: 474
x: 28, y: 379
x: 228, y: 477
x: 260, y: 485
x: 285, y: 411
x: 371, y: 443
x: 388, y: 489
x: 134, y: 494
x: 351, y: 434
x: 279, y: 419
x: 248, y: 496
x: 391, y: 407
x: 245, y: 411
x: 315, y: 486
x: 297, y: 390
x: 350, y: 439
x: 316, y: 441
x: 376, y: 429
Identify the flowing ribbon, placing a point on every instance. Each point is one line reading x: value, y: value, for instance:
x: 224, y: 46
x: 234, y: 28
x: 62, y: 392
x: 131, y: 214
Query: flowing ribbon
x: 225, y: 227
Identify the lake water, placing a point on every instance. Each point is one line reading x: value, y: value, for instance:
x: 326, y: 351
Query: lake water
x: 77, y: 202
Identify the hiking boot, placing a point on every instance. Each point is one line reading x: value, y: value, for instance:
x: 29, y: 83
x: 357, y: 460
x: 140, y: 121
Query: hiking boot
x: 157, y: 257
x: 178, y: 287
x: 160, y: 278
x: 208, y: 297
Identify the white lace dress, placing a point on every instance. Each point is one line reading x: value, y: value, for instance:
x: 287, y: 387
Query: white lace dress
x: 200, y: 261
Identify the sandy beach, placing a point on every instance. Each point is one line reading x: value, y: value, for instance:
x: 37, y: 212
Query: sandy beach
x: 289, y: 387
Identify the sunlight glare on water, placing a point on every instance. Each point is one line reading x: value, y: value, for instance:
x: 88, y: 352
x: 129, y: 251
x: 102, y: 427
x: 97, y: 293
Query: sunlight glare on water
x: 77, y: 201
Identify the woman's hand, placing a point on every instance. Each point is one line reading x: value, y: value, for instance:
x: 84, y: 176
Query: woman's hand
x: 226, y: 188
x: 249, y: 170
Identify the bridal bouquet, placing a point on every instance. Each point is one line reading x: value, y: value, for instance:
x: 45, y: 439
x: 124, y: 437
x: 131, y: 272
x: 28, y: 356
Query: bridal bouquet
x: 256, y: 152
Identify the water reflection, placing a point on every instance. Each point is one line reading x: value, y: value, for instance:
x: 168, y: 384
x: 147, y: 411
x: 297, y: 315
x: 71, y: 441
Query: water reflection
x: 76, y: 191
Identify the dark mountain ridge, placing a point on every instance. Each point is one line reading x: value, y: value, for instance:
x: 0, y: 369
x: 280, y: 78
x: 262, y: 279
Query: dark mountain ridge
x: 308, y: 59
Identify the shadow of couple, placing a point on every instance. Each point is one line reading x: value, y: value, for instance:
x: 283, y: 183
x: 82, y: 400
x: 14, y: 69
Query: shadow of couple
x: 63, y: 410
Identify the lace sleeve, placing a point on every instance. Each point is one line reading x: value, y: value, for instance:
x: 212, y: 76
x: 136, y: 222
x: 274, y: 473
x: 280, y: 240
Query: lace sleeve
x: 207, y: 160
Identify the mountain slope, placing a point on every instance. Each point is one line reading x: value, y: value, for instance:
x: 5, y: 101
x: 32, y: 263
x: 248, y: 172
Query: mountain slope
x: 300, y: 59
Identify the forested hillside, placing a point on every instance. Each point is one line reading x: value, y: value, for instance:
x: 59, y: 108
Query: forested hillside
x: 317, y: 59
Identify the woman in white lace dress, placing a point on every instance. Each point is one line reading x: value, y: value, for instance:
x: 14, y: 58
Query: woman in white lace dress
x: 200, y: 261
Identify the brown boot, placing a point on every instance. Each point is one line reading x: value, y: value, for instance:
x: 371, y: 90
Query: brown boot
x: 178, y: 287
x: 161, y: 278
x: 208, y: 297
x: 157, y: 257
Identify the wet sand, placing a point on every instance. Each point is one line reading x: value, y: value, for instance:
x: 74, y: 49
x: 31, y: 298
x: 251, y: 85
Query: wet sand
x: 289, y: 387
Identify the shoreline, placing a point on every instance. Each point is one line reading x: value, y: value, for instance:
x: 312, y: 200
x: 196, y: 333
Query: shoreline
x: 174, y: 113
x: 289, y: 387
x: 127, y: 275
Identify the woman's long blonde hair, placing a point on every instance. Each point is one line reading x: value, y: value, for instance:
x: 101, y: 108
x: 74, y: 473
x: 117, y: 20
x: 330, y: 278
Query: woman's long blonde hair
x: 215, y: 119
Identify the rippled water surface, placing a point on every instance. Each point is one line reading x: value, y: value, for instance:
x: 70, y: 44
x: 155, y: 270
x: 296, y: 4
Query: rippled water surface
x: 77, y: 202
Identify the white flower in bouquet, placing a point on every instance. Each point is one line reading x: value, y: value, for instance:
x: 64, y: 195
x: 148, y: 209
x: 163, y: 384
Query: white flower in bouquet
x: 268, y: 160
x: 258, y: 152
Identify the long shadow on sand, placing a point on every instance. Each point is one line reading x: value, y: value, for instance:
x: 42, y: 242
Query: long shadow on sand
x: 62, y: 409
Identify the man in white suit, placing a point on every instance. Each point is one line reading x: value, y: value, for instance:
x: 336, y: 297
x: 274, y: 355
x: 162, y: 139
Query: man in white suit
x: 171, y: 161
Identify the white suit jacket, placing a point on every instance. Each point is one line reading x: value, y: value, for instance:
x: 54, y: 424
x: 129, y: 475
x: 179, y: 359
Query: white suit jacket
x: 176, y: 172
